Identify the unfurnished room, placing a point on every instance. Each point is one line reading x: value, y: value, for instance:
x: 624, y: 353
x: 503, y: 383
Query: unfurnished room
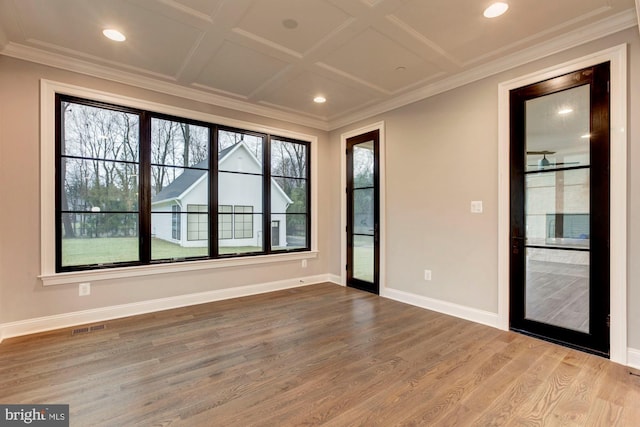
x: 319, y: 212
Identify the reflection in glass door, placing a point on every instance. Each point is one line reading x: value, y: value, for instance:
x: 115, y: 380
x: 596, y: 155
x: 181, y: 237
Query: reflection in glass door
x: 560, y: 209
x: 363, y: 212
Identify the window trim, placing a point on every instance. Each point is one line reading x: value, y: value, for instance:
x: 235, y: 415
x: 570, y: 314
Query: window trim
x: 48, y: 91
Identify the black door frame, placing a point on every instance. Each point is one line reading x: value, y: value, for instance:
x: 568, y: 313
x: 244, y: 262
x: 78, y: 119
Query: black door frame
x: 598, y: 340
x: 373, y: 135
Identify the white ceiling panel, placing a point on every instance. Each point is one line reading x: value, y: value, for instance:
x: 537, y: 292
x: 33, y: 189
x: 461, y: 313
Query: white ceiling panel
x: 74, y: 27
x: 297, y: 25
x: 299, y: 92
x: 380, y: 62
x: 459, y: 28
x: 238, y: 70
x: 206, y: 7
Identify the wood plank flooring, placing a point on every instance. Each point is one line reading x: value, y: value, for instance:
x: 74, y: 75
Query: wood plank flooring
x: 317, y: 355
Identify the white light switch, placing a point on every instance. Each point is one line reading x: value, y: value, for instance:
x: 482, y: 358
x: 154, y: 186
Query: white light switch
x: 476, y: 206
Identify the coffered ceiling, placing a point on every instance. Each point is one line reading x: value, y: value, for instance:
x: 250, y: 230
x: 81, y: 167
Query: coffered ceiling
x: 272, y: 57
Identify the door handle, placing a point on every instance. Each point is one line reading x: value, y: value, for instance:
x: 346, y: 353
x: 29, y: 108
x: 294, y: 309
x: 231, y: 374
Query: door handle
x: 516, y: 242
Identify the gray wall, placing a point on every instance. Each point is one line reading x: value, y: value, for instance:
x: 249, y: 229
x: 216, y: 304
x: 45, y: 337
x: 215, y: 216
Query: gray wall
x: 23, y: 296
x: 442, y: 153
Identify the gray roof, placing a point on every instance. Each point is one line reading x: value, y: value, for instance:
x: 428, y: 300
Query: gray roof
x: 178, y: 186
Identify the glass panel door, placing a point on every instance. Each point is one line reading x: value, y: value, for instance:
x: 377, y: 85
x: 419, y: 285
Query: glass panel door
x: 560, y: 209
x: 362, y: 212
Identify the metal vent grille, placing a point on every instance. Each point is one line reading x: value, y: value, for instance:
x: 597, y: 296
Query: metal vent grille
x: 88, y: 329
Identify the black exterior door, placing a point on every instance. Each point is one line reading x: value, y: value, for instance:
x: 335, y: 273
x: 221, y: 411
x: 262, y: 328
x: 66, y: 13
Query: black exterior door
x: 363, y: 212
x: 559, y: 266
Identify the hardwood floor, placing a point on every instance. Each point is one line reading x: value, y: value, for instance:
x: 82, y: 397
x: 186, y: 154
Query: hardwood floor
x: 317, y: 355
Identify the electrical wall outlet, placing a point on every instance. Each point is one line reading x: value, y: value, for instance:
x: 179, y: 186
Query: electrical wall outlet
x: 427, y: 275
x: 476, y: 206
x: 84, y: 289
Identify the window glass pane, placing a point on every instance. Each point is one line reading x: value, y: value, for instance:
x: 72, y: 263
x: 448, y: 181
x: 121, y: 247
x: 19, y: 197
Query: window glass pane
x: 99, y: 238
x: 240, y: 152
x: 557, y: 208
x: 363, y: 258
x: 225, y: 222
x: 179, y: 144
x: 179, y: 214
x: 558, y: 136
x: 245, y: 224
x: 178, y: 185
x: 363, y: 162
x: 363, y: 202
x: 288, y: 231
x: 240, y: 189
x: 167, y: 242
x: 288, y: 195
x: 197, y: 222
x: 99, y: 185
x: 288, y: 159
x: 99, y: 133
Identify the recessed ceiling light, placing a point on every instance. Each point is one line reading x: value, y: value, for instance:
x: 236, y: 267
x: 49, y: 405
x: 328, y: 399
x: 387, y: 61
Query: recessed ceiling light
x: 564, y: 111
x: 319, y: 99
x: 495, y: 10
x: 114, y: 35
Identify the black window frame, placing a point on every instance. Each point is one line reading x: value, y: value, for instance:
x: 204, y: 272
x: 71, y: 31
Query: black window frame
x: 145, y: 194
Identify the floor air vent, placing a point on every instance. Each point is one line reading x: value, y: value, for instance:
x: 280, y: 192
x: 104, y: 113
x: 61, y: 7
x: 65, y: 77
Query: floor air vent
x: 88, y: 329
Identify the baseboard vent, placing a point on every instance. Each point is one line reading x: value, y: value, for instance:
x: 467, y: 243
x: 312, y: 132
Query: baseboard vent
x: 88, y: 329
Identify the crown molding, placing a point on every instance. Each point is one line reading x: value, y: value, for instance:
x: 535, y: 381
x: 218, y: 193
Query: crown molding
x: 577, y: 37
x: 40, y: 56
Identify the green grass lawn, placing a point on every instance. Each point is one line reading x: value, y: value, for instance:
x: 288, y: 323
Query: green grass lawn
x: 105, y: 250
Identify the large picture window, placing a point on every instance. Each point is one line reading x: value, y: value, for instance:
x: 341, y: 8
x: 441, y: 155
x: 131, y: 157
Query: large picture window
x: 135, y: 187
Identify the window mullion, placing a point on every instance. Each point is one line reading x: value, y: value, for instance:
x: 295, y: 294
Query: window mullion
x: 144, y: 197
x: 266, y: 199
x: 214, y: 218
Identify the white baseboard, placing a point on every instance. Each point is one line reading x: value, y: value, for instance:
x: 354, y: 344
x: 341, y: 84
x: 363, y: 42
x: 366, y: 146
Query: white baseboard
x: 334, y: 278
x: 461, y: 311
x: 633, y: 358
x: 65, y: 320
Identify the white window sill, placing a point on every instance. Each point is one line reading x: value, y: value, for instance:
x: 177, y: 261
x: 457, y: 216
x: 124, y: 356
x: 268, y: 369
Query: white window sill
x: 51, y: 279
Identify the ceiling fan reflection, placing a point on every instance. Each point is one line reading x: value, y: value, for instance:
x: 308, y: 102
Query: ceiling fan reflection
x: 544, y: 162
